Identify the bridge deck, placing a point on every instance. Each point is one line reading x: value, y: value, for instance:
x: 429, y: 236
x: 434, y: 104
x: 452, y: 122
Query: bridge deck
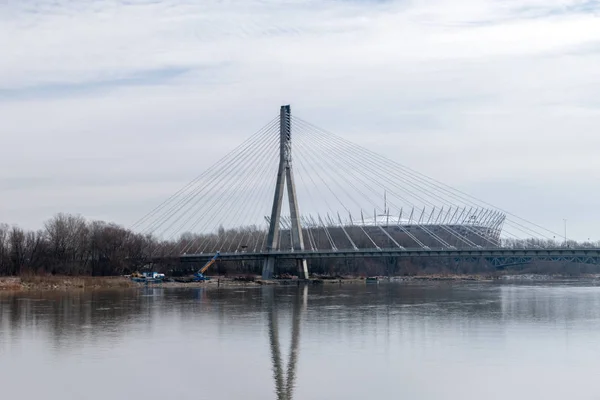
x: 396, y: 252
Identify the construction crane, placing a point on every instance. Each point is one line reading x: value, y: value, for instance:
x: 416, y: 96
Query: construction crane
x: 199, y: 276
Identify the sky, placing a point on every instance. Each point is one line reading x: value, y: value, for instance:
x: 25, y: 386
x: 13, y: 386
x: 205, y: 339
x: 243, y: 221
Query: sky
x: 108, y: 107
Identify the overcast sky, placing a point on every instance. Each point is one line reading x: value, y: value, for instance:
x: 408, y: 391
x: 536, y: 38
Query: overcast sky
x: 107, y: 107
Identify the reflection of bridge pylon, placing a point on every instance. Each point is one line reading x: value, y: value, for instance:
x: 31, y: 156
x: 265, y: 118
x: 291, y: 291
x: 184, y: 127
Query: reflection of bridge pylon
x: 284, y: 381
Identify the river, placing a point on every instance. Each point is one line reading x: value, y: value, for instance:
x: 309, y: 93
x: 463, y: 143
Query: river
x: 370, y: 341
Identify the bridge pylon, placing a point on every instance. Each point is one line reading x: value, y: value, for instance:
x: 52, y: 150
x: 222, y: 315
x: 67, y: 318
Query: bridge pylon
x: 285, y: 177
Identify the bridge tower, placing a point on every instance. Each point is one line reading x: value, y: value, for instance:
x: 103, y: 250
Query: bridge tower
x: 285, y: 177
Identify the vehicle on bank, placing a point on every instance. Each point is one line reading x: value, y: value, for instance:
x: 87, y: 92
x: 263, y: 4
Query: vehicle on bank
x: 199, y: 276
x: 148, y: 277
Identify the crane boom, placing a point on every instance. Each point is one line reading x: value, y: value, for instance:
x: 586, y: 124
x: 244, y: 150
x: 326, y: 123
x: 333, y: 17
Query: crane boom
x: 208, y: 264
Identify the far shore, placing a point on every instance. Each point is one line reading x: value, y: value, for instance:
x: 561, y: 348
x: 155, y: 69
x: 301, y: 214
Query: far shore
x: 63, y: 283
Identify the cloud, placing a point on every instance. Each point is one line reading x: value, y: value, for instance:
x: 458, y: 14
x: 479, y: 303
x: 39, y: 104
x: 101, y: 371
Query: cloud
x: 139, y: 78
x: 108, y: 104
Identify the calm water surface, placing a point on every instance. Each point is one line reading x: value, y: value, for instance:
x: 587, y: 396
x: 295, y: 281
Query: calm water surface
x: 387, y: 341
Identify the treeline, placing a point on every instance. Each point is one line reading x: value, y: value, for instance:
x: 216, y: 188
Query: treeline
x: 71, y: 245
x: 547, y: 243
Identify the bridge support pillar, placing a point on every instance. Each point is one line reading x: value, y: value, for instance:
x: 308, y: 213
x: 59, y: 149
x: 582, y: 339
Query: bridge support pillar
x: 302, y: 268
x: 268, y: 267
x: 284, y: 176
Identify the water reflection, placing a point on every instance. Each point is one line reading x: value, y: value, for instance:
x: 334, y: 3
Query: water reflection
x: 284, y: 383
x: 74, y: 317
x: 281, y: 342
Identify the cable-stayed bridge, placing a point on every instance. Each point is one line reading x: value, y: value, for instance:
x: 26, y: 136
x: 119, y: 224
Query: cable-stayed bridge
x: 295, y: 192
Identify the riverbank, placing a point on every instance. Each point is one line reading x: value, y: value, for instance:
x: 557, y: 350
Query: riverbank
x: 62, y: 283
x: 36, y: 283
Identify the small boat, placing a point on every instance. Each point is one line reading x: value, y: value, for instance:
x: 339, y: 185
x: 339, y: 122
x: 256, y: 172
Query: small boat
x: 372, y: 279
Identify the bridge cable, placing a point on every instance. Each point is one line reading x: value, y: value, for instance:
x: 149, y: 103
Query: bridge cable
x: 209, y: 170
x: 239, y: 211
x: 216, y: 190
x: 212, y: 181
x: 218, y: 199
x: 349, y: 170
x: 405, y: 200
x: 430, y: 181
x: 369, y: 161
x: 314, y: 161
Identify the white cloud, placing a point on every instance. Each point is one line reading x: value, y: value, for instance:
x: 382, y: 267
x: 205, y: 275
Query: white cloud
x: 107, y: 94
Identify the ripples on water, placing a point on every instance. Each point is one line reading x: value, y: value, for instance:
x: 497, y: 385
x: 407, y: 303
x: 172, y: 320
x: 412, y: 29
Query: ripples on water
x: 388, y: 341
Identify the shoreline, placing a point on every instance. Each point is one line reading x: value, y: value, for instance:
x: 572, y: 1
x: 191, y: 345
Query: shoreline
x: 66, y: 283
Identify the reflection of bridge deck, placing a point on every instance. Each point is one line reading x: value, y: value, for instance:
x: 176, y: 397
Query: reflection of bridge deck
x: 497, y: 256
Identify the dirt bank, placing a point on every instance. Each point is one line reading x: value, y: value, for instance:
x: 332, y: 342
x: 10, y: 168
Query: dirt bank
x: 42, y: 283
x: 63, y: 283
x: 58, y: 283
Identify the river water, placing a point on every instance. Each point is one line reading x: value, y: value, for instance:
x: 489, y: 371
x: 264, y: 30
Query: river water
x: 386, y: 341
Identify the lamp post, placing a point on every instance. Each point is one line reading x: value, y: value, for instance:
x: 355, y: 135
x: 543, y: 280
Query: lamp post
x: 565, y: 220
